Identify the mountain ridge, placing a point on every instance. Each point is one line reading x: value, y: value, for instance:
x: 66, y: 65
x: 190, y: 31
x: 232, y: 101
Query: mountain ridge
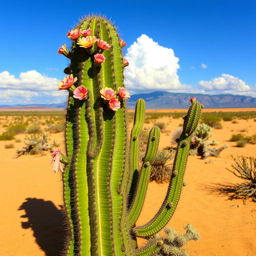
x: 171, y: 100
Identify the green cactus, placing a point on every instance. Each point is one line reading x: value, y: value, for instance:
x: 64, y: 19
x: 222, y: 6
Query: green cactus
x: 104, y: 188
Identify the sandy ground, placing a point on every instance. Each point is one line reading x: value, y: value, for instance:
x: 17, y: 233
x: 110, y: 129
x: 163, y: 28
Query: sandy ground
x: 31, y: 219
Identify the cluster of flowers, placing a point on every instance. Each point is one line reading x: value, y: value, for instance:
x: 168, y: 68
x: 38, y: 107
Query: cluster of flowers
x: 86, y: 40
x: 109, y: 95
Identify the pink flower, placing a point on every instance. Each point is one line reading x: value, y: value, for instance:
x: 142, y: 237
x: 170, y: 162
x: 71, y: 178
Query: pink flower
x: 103, y: 45
x: 80, y: 93
x: 99, y: 58
x: 114, y: 104
x: 67, y: 82
x: 107, y: 93
x: 86, y: 32
x: 123, y: 93
x: 125, y: 62
x: 63, y: 50
x: 56, y: 157
x: 122, y: 43
x: 74, y: 34
x: 193, y: 99
x: 86, y: 42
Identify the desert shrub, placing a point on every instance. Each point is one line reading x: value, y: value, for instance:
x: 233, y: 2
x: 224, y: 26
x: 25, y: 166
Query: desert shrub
x: 35, y: 144
x: 212, y: 120
x: 17, y: 128
x: 245, y: 169
x: 160, y: 169
x: 227, y: 117
x: 18, y: 140
x: 10, y: 145
x: 237, y: 137
x: 171, y: 242
x: 241, y: 143
x: 55, y: 128
x: 161, y: 125
x: 7, y: 136
x: 252, y: 139
x: 33, y: 129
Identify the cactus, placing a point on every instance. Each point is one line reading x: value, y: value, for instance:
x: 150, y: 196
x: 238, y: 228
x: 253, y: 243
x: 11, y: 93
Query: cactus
x: 200, y: 143
x: 104, y: 188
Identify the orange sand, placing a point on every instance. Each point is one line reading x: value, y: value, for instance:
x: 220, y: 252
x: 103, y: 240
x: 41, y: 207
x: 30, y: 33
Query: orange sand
x: 31, y: 221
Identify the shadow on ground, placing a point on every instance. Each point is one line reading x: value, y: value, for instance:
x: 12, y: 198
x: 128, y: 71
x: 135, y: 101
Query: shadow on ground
x: 48, y: 224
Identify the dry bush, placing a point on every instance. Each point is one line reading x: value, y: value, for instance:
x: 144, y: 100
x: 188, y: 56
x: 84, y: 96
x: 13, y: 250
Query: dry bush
x: 245, y: 169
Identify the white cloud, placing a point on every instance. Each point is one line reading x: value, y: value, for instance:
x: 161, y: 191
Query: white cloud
x: 30, y: 80
x: 30, y: 87
x: 151, y: 67
x: 227, y: 84
x: 204, y: 66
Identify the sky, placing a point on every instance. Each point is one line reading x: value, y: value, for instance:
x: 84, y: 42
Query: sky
x: 192, y: 46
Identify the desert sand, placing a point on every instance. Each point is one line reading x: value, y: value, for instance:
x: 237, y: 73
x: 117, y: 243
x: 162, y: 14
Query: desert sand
x: 31, y: 216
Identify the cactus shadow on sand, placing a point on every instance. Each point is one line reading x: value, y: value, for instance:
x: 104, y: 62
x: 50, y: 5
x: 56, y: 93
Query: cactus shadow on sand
x: 47, y: 223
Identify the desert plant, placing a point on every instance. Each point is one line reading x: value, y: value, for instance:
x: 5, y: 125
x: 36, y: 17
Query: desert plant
x: 160, y: 168
x: 161, y: 125
x: 17, y: 128
x: 241, y: 143
x: 200, y: 144
x: 35, y: 144
x: 10, y: 145
x: 244, y: 168
x: 55, y: 128
x: 212, y: 120
x: 33, y: 129
x: 104, y: 189
x: 7, y: 136
x: 171, y: 243
x: 237, y: 137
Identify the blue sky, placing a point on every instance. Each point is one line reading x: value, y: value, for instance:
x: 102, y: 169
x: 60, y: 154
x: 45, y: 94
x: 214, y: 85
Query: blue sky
x: 199, y: 46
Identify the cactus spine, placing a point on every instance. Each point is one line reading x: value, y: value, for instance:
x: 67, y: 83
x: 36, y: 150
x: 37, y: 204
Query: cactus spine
x: 104, y: 189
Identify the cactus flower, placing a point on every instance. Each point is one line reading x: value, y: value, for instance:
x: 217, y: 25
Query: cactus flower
x: 107, y: 93
x: 123, y: 93
x: 56, y: 157
x: 63, y: 50
x: 80, y: 93
x: 103, y: 45
x: 86, y: 42
x: 99, y: 58
x: 74, y: 34
x: 114, y: 104
x: 67, y: 82
x: 125, y: 62
x: 122, y: 43
x: 192, y: 99
x: 86, y: 32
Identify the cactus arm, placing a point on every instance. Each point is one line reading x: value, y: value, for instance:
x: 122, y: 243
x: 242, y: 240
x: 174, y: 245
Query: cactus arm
x: 144, y: 176
x: 174, y: 190
x: 152, y: 247
x: 134, y: 149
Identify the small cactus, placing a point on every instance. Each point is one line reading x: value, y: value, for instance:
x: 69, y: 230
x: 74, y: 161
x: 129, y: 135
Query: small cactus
x: 200, y: 143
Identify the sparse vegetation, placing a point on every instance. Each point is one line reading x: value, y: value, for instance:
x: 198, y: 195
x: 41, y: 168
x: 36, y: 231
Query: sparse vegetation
x: 10, y: 145
x: 160, y: 169
x: 245, y: 169
x: 7, y: 136
x: 171, y: 242
x: 212, y: 120
x: 33, y: 129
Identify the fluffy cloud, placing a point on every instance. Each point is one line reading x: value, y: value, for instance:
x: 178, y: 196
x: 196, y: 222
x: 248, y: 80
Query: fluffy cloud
x: 30, y: 80
x: 226, y: 84
x: 30, y: 87
x: 151, y: 67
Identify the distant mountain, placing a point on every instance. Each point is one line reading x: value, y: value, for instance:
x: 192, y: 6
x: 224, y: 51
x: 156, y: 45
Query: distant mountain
x: 170, y: 100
